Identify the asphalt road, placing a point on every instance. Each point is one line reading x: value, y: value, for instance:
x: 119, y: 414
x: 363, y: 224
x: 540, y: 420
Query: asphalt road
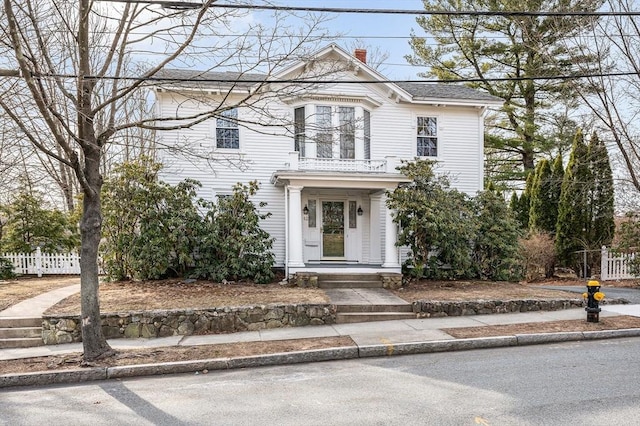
x: 582, y: 383
x: 631, y: 294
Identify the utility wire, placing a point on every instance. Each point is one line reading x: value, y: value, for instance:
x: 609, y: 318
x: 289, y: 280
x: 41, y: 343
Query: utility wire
x: 244, y: 80
x: 198, y: 5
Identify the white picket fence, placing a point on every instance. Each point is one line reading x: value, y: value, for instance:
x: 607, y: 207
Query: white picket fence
x: 614, y: 266
x: 38, y: 263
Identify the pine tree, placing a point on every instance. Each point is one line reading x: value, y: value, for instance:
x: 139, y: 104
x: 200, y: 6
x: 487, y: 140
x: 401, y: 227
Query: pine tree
x: 601, y: 203
x: 573, y: 217
x: 557, y: 176
x: 542, y: 213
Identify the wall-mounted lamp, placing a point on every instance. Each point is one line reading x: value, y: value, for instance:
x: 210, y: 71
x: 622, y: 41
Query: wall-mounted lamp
x: 360, y: 211
x: 305, y: 211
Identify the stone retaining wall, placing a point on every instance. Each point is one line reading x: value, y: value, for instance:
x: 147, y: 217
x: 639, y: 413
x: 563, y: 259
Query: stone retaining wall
x: 428, y: 309
x: 66, y: 328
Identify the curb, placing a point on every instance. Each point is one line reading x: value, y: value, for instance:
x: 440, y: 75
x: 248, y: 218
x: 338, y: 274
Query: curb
x: 43, y: 378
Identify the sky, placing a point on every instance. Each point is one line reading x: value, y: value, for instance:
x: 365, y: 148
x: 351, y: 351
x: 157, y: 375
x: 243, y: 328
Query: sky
x: 388, y: 32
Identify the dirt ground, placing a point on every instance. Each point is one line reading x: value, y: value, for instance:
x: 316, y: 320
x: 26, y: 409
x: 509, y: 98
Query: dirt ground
x: 168, y: 294
x: 170, y: 354
x: 17, y: 290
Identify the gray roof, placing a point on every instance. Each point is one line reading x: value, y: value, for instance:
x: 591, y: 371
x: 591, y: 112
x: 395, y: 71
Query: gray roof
x: 445, y: 91
x: 208, y: 79
x: 213, y: 79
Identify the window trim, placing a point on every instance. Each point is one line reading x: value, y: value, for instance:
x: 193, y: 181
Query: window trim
x: 417, y: 136
x: 233, y: 126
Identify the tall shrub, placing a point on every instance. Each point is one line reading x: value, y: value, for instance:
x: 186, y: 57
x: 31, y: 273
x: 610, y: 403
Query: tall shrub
x: 573, y: 217
x: 601, y: 203
x: 232, y: 245
x: 496, y: 248
x: 435, y: 223
x: 149, y: 226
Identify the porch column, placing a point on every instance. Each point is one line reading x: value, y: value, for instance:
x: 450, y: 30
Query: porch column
x: 375, y: 249
x: 391, y: 236
x: 295, y: 226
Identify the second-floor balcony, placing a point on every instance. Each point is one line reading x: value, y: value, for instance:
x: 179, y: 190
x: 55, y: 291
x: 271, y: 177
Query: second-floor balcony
x: 388, y: 165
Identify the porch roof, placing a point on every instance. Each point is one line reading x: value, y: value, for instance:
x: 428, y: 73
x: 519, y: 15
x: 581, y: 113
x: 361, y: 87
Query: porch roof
x: 334, y: 179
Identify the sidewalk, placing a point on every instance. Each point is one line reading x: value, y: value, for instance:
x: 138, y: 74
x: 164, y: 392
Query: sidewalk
x: 370, y: 338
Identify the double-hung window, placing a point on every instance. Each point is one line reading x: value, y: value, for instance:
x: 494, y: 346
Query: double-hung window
x: 299, y: 138
x: 427, y: 142
x: 324, y: 132
x: 227, y: 132
x: 346, y: 116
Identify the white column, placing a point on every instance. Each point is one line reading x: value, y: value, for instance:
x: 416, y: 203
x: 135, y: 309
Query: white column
x: 295, y: 226
x: 375, y: 248
x: 390, y: 238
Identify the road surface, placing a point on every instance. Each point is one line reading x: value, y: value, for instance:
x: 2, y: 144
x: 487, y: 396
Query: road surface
x: 579, y: 383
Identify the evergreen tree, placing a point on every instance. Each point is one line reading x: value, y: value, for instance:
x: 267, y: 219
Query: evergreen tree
x: 496, y: 248
x: 573, y: 217
x: 557, y: 177
x: 601, y: 204
x: 542, y: 213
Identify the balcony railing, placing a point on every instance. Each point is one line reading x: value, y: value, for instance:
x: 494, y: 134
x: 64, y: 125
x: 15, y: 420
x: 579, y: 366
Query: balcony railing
x: 388, y: 165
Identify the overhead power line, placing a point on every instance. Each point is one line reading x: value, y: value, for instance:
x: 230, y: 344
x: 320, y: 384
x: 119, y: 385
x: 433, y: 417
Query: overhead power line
x: 198, y: 5
x: 244, y: 80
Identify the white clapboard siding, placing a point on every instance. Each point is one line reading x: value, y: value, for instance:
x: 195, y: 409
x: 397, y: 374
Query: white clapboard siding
x: 265, y: 149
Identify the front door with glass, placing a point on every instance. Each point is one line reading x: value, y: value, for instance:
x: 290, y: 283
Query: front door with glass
x: 333, y: 229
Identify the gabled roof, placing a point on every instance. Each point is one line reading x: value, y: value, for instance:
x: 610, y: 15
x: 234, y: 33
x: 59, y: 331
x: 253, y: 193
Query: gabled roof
x: 411, y: 92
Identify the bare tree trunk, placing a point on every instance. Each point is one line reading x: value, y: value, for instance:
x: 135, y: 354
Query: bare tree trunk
x: 94, y: 342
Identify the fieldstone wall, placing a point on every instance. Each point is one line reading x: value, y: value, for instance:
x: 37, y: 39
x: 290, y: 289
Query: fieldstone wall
x: 432, y: 309
x: 391, y: 281
x: 66, y: 328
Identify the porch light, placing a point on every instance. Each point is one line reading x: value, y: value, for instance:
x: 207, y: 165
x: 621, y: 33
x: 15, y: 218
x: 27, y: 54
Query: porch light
x: 305, y: 211
x: 360, y: 211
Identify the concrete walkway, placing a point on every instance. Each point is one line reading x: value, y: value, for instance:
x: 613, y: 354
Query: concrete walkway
x: 36, y: 306
x: 363, y: 296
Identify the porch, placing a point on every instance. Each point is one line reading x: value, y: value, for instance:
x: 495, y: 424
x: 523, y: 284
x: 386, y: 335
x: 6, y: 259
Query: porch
x: 338, y: 221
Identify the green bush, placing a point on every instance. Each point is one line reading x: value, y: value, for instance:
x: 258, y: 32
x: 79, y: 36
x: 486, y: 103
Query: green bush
x: 6, y: 269
x: 451, y: 236
x: 153, y: 230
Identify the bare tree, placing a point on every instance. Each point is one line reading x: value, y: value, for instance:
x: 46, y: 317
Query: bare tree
x: 613, y: 96
x: 81, y: 63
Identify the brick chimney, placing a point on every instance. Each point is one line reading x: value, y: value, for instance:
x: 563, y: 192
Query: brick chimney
x: 361, y: 55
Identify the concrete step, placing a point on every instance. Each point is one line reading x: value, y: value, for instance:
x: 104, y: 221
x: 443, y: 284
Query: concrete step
x: 21, y: 342
x: 18, y: 332
x: 350, y: 284
x: 351, y: 309
x: 349, y: 318
x: 13, y: 322
x: 348, y: 277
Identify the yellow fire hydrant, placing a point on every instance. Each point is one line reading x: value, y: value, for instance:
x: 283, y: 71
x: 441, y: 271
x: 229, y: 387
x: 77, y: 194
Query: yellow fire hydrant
x: 593, y: 296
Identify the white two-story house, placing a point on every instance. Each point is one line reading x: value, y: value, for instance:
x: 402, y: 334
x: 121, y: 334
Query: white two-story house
x: 324, y: 153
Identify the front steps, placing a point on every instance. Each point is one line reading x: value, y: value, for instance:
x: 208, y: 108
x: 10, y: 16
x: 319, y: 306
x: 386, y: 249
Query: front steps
x: 326, y: 281
x: 20, y: 332
x: 361, y: 298
x: 348, y: 314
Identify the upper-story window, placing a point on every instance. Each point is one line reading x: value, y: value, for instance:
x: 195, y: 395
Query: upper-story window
x: 324, y: 132
x: 335, y: 124
x: 427, y: 137
x: 347, y: 130
x: 299, y: 138
x: 367, y: 134
x: 227, y: 132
